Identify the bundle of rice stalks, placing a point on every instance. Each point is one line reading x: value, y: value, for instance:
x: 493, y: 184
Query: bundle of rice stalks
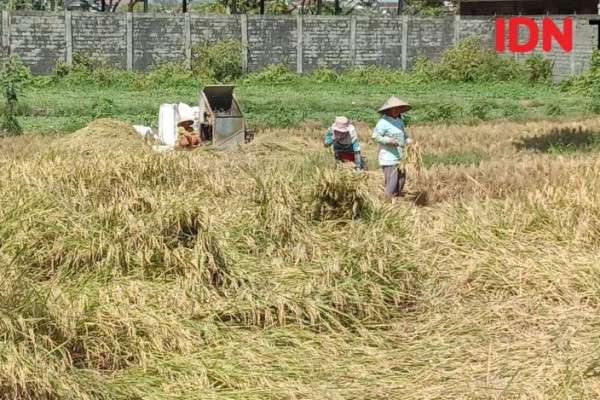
x: 414, y: 159
x: 341, y: 194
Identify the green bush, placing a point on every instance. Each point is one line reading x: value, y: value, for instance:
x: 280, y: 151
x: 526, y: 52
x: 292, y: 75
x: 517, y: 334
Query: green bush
x: 276, y: 73
x: 593, y: 107
x: 554, y: 109
x: 595, y: 82
x: 424, y: 70
x: 373, y: 75
x: 104, y: 107
x: 511, y: 110
x: 13, y: 76
x: 13, y: 70
x: 469, y: 61
x: 423, y: 8
x: 170, y: 74
x: 595, y: 61
x: 277, y: 7
x: 83, y: 60
x: 209, y: 8
x: 324, y: 75
x: 61, y: 69
x: 481, y: 109
x: 436, y: 112
x: 221, y: 61
x: 81, y: 66
x: 587, y: 83
x: 20, y: 109
x: 539, y: 69
x: 85, y: 70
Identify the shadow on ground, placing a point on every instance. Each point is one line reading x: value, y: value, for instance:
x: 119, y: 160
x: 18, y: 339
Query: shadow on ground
x: 563, y: 139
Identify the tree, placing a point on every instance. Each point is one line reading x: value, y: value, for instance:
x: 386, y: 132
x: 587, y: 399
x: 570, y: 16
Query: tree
x: 413, y: 7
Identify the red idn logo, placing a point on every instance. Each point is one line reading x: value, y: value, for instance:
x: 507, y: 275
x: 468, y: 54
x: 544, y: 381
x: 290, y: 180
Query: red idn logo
x: 550, y: 31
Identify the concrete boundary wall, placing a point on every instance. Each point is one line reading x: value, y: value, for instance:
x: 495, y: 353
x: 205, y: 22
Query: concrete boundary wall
x: 303, y: 43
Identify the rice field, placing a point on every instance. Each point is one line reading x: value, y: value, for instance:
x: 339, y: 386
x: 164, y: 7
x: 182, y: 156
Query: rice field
x: 267, y: 272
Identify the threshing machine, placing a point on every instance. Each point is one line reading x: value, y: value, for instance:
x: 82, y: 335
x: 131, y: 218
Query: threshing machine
x: 220, y: 119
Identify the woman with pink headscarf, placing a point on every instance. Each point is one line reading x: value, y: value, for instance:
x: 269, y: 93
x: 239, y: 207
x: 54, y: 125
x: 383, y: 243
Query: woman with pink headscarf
x: 346, y: 147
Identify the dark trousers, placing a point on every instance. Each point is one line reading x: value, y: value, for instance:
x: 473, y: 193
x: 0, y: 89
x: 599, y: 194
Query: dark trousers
x: 394, y: 179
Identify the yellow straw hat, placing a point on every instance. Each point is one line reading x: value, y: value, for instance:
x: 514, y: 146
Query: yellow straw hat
x: 394, y: 102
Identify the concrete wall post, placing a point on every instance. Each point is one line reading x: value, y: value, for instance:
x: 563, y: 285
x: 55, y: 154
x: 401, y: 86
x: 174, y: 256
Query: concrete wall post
x: 353, y: 41
x: 244, y: 26
x: 405, y: 22
x: 129, y: 17
x: 69, y: 37
x: 299, y: 58
x: 6, y: 32
x: 187, y: 33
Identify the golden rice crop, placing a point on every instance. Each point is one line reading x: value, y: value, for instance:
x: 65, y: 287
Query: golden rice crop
x: 266, y: 272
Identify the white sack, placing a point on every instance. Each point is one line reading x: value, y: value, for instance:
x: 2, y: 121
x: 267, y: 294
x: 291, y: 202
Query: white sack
x: 167, y: 124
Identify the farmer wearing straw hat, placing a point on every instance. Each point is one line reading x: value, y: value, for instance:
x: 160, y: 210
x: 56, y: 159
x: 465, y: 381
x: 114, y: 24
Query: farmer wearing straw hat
x: 390, y: 133
x: 185, y: 124
x: 346, y: 147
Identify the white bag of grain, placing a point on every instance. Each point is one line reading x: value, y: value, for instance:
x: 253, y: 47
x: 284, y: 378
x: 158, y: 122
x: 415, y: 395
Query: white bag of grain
x: 167, y: 124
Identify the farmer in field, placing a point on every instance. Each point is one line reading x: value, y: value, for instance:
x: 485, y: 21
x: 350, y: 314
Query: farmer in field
x: 187, y: 137
x: 390, y: 133
x: 344, y: 139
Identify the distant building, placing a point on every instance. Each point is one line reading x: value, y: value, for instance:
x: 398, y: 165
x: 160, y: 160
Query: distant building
x: 527, y: 7
x: 389, y: 6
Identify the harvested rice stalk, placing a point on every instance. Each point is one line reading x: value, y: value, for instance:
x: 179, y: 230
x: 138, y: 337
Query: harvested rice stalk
x: 341, y: 194
x: 414, y: 159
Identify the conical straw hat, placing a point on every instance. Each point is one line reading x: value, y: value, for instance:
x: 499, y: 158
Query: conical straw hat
x: 185, y: 113
x: 393, y: 102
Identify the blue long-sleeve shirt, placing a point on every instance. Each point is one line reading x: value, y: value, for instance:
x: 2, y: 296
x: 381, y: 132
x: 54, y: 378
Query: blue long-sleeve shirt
x: 347, y: 144
x: 352, y: 144
x: 386, y: 131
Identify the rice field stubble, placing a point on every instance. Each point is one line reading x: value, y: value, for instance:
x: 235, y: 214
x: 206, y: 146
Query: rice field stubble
x: 267, y: 273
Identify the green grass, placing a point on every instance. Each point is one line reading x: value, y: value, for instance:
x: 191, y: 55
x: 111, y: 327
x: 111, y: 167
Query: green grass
x: 56, y: 107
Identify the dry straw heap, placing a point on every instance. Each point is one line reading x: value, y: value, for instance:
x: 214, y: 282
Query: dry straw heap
x: 267, y: 273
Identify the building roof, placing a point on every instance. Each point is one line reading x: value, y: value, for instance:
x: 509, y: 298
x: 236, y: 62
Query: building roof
x: 493, y: 1
x: 532, y: 7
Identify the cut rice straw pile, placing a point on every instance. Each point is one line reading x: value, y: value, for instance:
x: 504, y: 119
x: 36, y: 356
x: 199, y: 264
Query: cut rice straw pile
x: 266, y: 272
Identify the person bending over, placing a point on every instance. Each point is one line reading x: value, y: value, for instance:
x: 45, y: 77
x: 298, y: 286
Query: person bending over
x: 344, y: 139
